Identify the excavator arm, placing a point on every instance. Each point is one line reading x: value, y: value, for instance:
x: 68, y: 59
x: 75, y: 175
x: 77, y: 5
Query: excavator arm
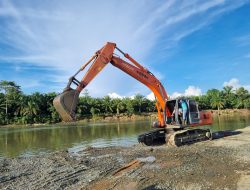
x: 66, y: 102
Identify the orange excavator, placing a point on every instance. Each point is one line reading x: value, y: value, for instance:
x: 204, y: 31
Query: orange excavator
x: 169, y: 126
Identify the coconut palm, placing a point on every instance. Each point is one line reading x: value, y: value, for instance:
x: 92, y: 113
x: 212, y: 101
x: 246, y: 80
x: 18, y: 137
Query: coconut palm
x: 229, y: 96
x: 118, y: 105
x: 31, y: 109
x: 217, y: 101
x: 139, y: 101
x: 106, y: 103
x: 227, y: 90
x: 242, y: 97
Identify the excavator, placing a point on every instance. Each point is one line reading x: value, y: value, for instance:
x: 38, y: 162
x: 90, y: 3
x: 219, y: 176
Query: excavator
x: 169, y: 125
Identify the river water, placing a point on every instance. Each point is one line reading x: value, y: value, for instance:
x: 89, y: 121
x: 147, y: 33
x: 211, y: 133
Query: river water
x: 39, y: 140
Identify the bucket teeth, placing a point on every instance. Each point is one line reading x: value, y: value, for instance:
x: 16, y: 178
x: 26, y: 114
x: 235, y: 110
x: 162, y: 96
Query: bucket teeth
x: 65, y: 104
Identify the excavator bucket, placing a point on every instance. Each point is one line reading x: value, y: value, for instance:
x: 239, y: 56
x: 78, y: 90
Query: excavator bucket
x: 66, y: 103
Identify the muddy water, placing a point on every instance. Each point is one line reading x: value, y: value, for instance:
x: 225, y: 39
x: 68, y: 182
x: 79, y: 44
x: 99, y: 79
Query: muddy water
x: 40, y: 140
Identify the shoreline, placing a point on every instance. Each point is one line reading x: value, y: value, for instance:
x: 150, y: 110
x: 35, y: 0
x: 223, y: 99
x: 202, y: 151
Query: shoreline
x: 231, y: 111
x: 125, y: 118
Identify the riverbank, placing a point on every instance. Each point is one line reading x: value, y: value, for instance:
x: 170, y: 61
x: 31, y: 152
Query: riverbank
x: 223, y: 163
x: 231, y: 111
x: 123, y: 118
x: 96, y: 119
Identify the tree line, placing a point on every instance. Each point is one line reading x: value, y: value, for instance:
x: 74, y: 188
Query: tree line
x: 19, y: 108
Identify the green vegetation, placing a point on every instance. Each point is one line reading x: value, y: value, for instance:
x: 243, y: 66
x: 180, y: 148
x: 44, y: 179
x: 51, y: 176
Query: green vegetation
x: 19, y: 108
x: 227, y: 98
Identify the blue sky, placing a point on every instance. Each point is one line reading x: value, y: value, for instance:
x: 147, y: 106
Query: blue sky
x: 191, y: 46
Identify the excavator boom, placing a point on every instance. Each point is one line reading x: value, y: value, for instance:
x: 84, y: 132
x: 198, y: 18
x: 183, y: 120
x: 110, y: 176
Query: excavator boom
x: 66, y: 102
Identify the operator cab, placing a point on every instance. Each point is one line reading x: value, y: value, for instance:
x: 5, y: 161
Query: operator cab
x: 176, y: 114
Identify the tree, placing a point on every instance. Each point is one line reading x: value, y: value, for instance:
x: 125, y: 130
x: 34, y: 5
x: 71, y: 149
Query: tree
x: 31, y: 108
x: 150, y: 106
x: 94, y: 111
x: 16, y: 107
x: 106, y: 103
x: 242, y: 98
x: 247, y: 103
x: 82, y: 108
x: 203, y: 102
x: 2, y: 109
x: 9, y: 86
x: 139, y: 102
x: 216, y: 100
x: 228, y: 96
x: 129, y: 106
x: 12, y: 92
x: 118, y: 105
x: 50, y: 113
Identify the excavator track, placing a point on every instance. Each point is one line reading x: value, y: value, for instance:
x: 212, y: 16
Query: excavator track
x: 152, y: 137
x: 175, y: 137
x: 188, y: 136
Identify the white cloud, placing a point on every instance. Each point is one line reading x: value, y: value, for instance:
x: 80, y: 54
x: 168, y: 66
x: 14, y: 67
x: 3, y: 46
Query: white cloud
x: 190, y: 91
x: 189, y: 12
x: 235, y: 83
x: 176, y: 95
x: 151, y: 96
x: 62, y: 35
x: 115, y: 95
x: 193, y: 91
x: 132, y: 97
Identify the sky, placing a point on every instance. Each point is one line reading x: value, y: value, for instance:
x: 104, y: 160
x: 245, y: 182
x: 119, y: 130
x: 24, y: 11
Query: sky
x: 191, y: 46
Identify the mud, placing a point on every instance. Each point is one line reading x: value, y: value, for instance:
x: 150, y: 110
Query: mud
x: 223, y: 163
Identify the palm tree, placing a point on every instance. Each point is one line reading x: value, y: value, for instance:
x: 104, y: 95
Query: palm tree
x: 227, y: 90
x: 129, y: 105
x: 31, y: 109
x: 118, y: 105
x: 242, y: 97
x: 94, y: 111
x: 106, y: 102
x: 2, y: 101
x: 22, y: 104
x: 217, y: 101
x: 139, y: 101
x: 82, y: 107
x: 229, y: 96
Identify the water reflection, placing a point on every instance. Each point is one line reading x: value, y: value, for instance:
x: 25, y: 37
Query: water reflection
x: 230, y: 122
x: 29, y: 141
x: 26, y: 141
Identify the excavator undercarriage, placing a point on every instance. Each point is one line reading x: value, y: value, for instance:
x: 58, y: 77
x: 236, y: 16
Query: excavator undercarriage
x: 174, y: 137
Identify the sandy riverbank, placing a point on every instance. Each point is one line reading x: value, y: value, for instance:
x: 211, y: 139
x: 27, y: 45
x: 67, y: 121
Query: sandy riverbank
x: 223, y: 163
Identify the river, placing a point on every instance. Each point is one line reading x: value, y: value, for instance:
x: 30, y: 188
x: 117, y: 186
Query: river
x: 26, y: 141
